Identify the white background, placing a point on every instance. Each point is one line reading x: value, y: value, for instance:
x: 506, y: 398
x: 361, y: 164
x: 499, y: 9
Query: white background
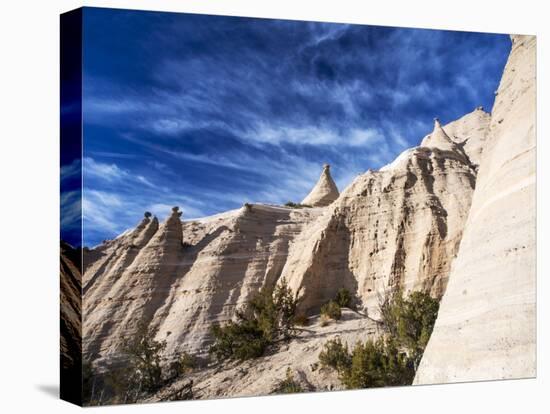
x: 29, y: 143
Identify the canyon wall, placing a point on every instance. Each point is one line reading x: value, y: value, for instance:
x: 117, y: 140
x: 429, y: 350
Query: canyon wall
x: 397, y: 227
x: 486, y: 328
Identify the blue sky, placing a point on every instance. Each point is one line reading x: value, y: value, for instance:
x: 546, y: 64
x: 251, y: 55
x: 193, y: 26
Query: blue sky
x: 209, y: 112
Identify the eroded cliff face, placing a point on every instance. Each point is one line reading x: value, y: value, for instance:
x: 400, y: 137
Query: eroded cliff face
x: 397, y: 227
x: 400, y: 226
x: 70, y: 324
x: 486, y: 328
x: 453, y: 217
x: 180, y: 277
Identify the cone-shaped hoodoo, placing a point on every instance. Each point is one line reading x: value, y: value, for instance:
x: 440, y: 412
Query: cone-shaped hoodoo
x: 324, y: 192
x: 438, y: 138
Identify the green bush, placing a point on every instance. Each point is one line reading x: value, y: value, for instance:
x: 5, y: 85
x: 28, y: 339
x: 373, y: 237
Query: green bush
x: 145, y: 357
x: 377, y: 364
x: 268, y: 317
x: 296, y: 205
x: 394, y: 358
x: 410, y: 320
x: 335, y: 355
x: 241, y: 341
x: 141, y: 371
x: 288, y: 385
x: 331, y: 310
x: 343, y: 298
x: 184, y: 364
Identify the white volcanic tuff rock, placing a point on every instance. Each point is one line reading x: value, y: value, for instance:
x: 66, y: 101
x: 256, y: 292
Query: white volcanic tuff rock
x: 187, y: 276
x: 71, y: 304
x: 486, y: 327
x: 439, y: 139
x: 112, y: 258
x: 324, y: 192
x: 134, y: 284
x: 398, y: 226
x: 470, y: 132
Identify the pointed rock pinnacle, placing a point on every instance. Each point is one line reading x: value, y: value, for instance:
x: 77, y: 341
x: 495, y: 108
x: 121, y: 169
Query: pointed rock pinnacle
x: 324, y: 192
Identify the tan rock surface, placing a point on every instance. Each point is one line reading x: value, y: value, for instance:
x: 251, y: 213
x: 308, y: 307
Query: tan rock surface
x: 400, y: 226
x: 397, y: 226
x: 486, y: 328
x: 70, y: 324
x: 180, y: 277
x: 470, y: 132
x: 324, y: 192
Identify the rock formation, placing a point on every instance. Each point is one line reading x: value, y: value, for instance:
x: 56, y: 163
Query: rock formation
x: 401, y: 226
x: 70, y: 323
x: 486, y: 328
x: 324, y: 192
x: 180, y: 277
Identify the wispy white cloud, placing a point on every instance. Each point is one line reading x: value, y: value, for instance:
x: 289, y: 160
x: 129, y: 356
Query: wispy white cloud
x: 111, y: 172
x: 71, y: 170
x: 70, y: 209
x: 266, y: 133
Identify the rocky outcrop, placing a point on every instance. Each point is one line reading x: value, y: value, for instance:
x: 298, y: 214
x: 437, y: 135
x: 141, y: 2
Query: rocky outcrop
x: 180, y: 277
x: 70, y: 324
x: 469, y: 132
x: 400, y: 226
x: 324, y: 192
x: 486, y: 328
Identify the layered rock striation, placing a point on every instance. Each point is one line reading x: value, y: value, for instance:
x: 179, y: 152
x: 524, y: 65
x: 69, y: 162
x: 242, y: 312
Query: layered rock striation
x: 453, y: 217
x: 399, y: 226
x: 180, y: 277
x: 70, y: 337
x: 486, y: 328
x: 324, y: 192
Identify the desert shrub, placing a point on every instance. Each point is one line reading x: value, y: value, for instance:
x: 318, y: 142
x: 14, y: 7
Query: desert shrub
x: 288, y: 385
x: 393, y: 358
x: 296, y: 205
x: 377, y: 364
x: 343, y: 298
x: 371, y: 364
x: 140, y: 371
x: 332, y: 310
x: 268, y: 317
x: 241, y: 341
x: 145, y: 356
x: 121, y: 386
x: 335, y: 355
x: 184, y: 364
x: 301, y: 320
x: 410, y: 320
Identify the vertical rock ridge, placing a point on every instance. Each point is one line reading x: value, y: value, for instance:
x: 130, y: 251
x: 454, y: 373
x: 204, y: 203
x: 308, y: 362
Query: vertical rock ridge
x: 486, y: 327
